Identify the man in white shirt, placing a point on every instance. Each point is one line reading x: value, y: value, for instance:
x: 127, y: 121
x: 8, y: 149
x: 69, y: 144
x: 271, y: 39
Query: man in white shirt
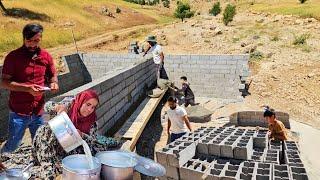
x: 178, y: 121
x: 156, y: 50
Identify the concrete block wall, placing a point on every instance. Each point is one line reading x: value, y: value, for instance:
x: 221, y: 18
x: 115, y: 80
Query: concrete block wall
x: 216, y: 76
x: 76, y: 75
x: 118, y: 92
x: 255, y: 118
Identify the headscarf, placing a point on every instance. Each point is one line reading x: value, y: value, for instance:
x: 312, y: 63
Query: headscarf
x: 82, y: 123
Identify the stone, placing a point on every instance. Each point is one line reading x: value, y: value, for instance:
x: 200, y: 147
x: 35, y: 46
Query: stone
x: 198, y: 114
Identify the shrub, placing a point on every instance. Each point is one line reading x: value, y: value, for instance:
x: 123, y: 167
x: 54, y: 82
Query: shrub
x: 216, y: 9
x: 302, y: 1
x: 256, y: 55
x: 302, y: 39
x: 166, y: 3
x: 183, y: 11
x: 228, y: 14
x: 118, y: 10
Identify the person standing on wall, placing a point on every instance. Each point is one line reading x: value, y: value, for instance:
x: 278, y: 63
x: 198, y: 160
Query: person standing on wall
x: 178, y: 122
x: 158, y: 56
x: 25, y: 72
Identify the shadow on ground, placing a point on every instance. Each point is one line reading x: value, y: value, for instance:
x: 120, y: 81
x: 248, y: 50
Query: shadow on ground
x: 150, y: 136
x: 27, y: 14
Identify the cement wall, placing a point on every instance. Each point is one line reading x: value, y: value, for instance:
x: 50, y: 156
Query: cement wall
x: 215, y: 76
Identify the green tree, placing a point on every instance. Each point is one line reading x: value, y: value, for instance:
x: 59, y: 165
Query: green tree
x: 166, y: 3
x: 216, y: 9
x: 228, y: 14
x: 183, y: 11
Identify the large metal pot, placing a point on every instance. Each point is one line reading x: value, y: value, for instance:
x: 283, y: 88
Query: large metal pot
x: 77, y: 167
x: 65, y: 132
x: 116, y: 165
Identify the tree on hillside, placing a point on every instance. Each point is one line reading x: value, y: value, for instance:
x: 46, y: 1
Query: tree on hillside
x: 228, y: 14
x: 2, y: 7
x: 183, y: 11
x: 302, y: 1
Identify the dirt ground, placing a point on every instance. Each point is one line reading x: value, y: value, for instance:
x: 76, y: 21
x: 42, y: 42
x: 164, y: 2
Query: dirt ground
x: 286, y: 77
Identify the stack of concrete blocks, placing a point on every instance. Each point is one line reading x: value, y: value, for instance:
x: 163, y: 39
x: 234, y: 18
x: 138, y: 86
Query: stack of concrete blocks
x: 263, y: 171
x: 174, y: 156
x: 195, y: 169
x: 228, y: 154
x: 281, y: 172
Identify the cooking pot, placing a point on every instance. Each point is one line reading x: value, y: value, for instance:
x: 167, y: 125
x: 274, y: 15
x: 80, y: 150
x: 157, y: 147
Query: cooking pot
x: 65, y: 132
x: 116, y: 165
x: 77, y: 167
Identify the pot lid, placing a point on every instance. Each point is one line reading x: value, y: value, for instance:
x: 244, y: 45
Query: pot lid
x: 149, y: 167
x: 119, y: 159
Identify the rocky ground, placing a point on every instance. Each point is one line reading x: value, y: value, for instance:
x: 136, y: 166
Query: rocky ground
x: 284, y: 76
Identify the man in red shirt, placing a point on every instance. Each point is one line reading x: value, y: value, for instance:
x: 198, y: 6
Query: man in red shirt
x: 26, y: 71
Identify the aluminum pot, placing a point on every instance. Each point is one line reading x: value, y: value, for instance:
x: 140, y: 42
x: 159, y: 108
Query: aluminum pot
x: 116, y: 165
x: 77, y: 167
x: 65, y: 132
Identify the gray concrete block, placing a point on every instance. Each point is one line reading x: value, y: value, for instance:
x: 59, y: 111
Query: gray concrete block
x: 172, y: 172
x: 216, y: 171
x: 281, y: 172
x: 291, y: 146
x: 260, y: 139
x: 214, y: 145
x: 244, y: 148
x: 194, y: 170
x: 227, y: 146
x: 182, y: 152
x: 299, y: 173
x: 272, y: 156
x: 263, y: 171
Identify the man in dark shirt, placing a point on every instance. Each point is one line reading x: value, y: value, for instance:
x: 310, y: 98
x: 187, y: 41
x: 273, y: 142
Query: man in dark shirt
x: 25, y: 73
x: 188, y: 96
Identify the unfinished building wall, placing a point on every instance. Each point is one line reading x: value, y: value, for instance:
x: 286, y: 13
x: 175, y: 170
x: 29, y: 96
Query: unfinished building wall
x: 215, y: 76
x: 118, y: 92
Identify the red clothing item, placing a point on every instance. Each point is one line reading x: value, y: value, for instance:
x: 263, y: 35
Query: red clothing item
x: 29, y: 68
x: 82, y: 123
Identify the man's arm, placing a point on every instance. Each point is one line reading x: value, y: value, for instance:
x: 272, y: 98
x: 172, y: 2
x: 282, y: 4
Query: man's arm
x: 162, y: 57
x: 6, y: 83
x: 52, y: 75
x: 169, y: 126
x: 149, y: 47
x: 186, y: 120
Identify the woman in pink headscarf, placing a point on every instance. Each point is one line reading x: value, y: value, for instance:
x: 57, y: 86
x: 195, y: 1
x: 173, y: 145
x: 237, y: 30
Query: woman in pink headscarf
x: 48, y: 153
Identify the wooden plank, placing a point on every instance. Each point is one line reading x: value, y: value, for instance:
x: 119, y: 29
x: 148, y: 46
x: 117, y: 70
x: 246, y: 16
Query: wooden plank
x: 135, y: 125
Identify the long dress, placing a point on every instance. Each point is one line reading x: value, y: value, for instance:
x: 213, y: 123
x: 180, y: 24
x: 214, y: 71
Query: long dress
x: 47, y: 153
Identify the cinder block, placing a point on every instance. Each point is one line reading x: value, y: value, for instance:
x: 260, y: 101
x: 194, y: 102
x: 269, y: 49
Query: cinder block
x: 291, y: 146
x: 272, y: 156
x: 171, y: 173
x: 181, y: 153
x: 227, y: 146
x: 260, y: 139
x: 299, y: 173
x: 216, y: 171
x: 194, y: 169
x: 244, y: 148
x: 203, y: 145
x: 214, y: 145
x: 281, y: 172
x: 292, y: 158
x: 263, y: 171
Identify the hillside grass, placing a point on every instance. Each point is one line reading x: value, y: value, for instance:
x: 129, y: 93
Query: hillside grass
x: 59, y: 17
x: 311, y: 8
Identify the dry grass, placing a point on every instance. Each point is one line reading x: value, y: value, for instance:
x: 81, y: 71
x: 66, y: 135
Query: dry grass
x: 310, y: 8
x: 84, y: 17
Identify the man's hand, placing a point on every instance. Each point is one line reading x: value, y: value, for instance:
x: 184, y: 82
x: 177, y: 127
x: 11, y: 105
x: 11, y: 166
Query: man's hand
x: 2, y: 167
x: 54, y: 87
x: 34, y: 90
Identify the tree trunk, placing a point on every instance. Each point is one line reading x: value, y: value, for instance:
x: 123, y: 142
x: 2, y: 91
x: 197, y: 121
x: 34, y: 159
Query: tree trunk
x: 3, y: 8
